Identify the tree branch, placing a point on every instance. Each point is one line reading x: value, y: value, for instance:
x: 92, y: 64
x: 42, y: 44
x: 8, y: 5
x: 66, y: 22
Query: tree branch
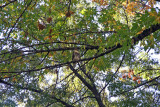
x: 83, y: 98
x: 37, y: 91
x: 80, y: 77
x: 18, y: 19
x: 7, y: 4
x: 135, y: 87
x: 113, y: 74
x: 92, y: 88
x: 147, y: 70
x: 139, y: 37
x: 146, y: 32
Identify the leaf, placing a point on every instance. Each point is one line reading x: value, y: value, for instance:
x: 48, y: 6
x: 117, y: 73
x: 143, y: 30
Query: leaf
x: 37, y: 40
x: 134, y: 78
x: 40, y: 26
x: 139, y: 81
x: 14, y: 79
x: 129, y: 75
x: 49, y: 19
x: 151, y: 38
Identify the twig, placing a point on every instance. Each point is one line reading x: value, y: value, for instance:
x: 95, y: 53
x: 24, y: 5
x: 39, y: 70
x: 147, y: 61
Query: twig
x: 135, y: 87
x: 7, y: 4
x: 113, y: 74
x: 35, y: 90
x: 83, y: 98
x: 18, y: 19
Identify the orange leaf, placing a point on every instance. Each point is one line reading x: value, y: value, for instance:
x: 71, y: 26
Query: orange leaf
x: 140, y: 31
x: 47, y: 37
x: 14, y: 79
x: 129, y: 75
x: 134, y: 78
x: 101, y: 2
x: 139, y: 81
x: 139, y: 77
x: 71, y: 12
x: 132, y: 73
x: 50, y: 55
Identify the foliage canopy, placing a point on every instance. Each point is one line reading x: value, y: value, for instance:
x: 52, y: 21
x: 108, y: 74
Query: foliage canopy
x: 73, y: 53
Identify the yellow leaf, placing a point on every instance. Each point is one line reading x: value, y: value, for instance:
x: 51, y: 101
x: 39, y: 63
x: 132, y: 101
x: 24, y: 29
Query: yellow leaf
x: 121, y: 79
x: 64, y: 53
x: 158, y: 19
x: 5, y: 9
x: 153, y: 13
x: 117, y: 43
x: 142, y: 44
x: 53, y: 7
x: 53, y: 63
x: 151, y: 38
x: 62, y: 14
x: 18, y: 58
x: 124, y: 3
x: 83, y: 11
x: 5, y: 76
x: 123, y: 71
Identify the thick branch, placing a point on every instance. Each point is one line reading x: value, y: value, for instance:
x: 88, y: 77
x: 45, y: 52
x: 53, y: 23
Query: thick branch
x: 92, y: 88
x: 146, y: 32
x: 81, y: 78
x: 139, y: 37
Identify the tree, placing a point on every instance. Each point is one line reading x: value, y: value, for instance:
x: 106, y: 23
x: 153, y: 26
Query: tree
x: 40, y: 37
